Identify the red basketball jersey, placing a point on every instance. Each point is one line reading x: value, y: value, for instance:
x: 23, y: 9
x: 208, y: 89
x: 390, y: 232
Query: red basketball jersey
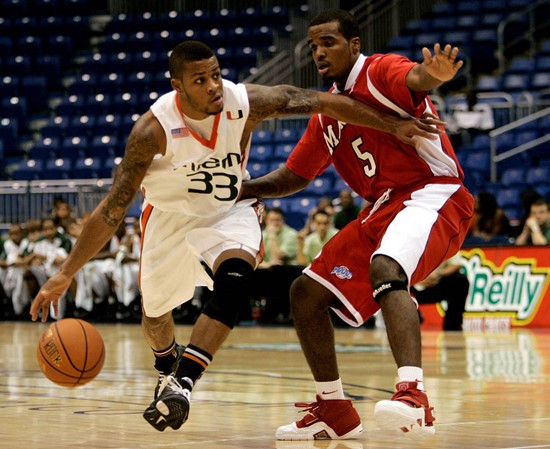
x: 372, y: 161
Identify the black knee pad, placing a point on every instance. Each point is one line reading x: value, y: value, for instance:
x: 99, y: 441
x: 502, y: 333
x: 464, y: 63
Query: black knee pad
x: 231, y: 290
x: 386, y: 287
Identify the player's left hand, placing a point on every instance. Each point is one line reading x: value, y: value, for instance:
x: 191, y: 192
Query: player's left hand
x: 443, y: 64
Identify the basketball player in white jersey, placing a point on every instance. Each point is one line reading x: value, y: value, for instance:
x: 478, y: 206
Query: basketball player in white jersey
x: 188, y: 153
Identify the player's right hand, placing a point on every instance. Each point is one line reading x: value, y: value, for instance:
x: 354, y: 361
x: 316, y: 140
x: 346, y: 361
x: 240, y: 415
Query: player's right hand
x: 50, y: 293
x: 427, y: 126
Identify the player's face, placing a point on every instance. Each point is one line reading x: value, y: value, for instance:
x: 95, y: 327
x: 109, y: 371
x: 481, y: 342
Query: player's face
x: 200, y: 88
x: 333, y: 55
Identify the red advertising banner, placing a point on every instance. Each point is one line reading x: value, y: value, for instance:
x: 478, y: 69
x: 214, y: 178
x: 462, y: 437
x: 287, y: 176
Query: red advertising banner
x: 508, y: 288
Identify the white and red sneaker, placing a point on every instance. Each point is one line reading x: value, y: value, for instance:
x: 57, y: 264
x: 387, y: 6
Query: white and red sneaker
x: 408, y: 411
x: 331, y: 419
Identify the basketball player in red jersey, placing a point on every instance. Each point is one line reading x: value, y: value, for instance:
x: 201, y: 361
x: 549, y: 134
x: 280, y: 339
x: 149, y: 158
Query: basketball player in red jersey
x: 188, y: 154
x: 417, y: 217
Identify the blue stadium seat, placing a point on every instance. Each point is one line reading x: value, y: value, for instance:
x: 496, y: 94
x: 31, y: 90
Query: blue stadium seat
x: 512, y: 177
x: 491, y: 20
x: 427, y: 39
x: 87, y: 168
x: 282, y: 203
x: 56, y: 127
x: 45, y: 148
x: 261, y: 152
x: 542, y: 64
x: 107, y: 124
x: 6, y: 45
x: 104, y: 146
x: 124, y: 103
x: 28, y: 170
x: 82, y: 126
x: 467, y: 22
x: 515, y: 82
x: 262, y: 136
x: 509, y: 197
x: 14, y: 107
x: 481, y: 142
x: 111, y: 83
x: 459, y: 38
x: 505, y: 141
x: 85, y: 84
x: 400, y: 42
x: 540, y: 81
x: 98, y: 104
x: 339, y: 185
x: 59, y: 45
x: 9, y: 86
x: 57, y: 169
x: 38, y: 86
x: 286, y: 135
x: 522, y: 137
x: 478, y: 160
x: 73, y: 147
x: 538, y: 175
x: 493, y: 5
x: 468, y: 7
x: 319, y: 186
x: 302, y: 204
x: 29, y: 46
x: 283, y: 150
x: 17, y: 66
x: 257, y: 169
x: 521, y: 65
x: 72, y: 105
x: 443, y: 23
x: 487, y: 83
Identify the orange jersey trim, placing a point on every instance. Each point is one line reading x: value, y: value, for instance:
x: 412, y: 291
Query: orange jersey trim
x: 213, y: 138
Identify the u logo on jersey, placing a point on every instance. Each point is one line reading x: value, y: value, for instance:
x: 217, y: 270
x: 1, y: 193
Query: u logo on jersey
x: 230, y: 115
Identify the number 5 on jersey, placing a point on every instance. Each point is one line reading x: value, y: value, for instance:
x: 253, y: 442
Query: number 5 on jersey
x: 370, y: 166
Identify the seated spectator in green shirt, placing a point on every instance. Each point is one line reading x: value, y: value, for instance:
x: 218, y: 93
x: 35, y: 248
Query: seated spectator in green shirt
x: 537, y: 227
x: 349, y: 210
x: 280, y: 240
x: 311, y: 245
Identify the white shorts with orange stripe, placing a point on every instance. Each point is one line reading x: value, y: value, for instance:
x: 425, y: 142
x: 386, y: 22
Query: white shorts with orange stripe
x: 173, y: 246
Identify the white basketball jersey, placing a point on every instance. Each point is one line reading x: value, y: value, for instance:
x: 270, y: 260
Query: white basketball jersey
x: 196, y: 176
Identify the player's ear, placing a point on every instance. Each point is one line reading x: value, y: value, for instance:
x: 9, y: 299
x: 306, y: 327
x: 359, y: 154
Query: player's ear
x: 355, y: 45
x: 176, y: 85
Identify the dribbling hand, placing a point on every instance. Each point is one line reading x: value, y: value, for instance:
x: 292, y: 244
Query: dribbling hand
x: 49, y: 293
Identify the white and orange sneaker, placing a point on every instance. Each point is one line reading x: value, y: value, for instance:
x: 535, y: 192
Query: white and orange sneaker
x: 407, y: 411
x: 331, y: 419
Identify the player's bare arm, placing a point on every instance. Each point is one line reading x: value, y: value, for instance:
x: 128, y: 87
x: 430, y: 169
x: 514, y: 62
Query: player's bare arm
x: 145, y: 140
x: 278, y: 183
x: 267, y: 102
x: 435, y: 70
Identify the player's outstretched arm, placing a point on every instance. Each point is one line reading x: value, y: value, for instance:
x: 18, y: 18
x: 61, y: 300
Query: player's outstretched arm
x: 278, y: 183
x: 277, y: 101
x: 145, y: 140
x: 435, y: 70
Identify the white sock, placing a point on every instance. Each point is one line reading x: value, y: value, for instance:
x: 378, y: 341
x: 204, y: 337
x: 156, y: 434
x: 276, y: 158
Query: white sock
x: 411, y: 374
x: 330, y: 390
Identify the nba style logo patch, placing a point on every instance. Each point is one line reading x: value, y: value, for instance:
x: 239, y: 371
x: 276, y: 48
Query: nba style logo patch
x: 342, y: 272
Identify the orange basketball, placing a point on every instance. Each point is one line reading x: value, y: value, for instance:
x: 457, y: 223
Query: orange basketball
x: 71, y: 352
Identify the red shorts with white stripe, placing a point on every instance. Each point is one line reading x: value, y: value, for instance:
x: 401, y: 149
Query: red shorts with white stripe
x: 419, y: 229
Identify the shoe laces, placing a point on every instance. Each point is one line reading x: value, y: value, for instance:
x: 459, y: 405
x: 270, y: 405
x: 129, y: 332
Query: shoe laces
x: 312, y: 410
x: 415, y: 398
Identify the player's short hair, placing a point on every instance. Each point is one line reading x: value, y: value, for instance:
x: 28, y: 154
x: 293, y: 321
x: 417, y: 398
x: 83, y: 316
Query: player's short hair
x: 187, y: 51
x: 348, y: 26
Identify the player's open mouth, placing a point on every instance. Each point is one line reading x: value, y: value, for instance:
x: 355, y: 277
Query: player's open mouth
x: 218, y: 100
x: 323, y: 68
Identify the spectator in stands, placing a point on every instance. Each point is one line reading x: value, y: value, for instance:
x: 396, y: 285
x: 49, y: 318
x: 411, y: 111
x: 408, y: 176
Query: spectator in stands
x: 324, y: 204
x: 280, y: 240
x: 536, y: 230
x: 471, y: 118
x: 349, y: 211
x: 12, y: 269
x: 311, y: 245
x: 48, y: 253
x: 446, y: 283
x: 276, y: 273
x: 490, y: 224
x: 63, y: 216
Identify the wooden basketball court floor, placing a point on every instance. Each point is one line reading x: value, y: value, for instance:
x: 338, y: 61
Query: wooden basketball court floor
x: 489, y: 391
